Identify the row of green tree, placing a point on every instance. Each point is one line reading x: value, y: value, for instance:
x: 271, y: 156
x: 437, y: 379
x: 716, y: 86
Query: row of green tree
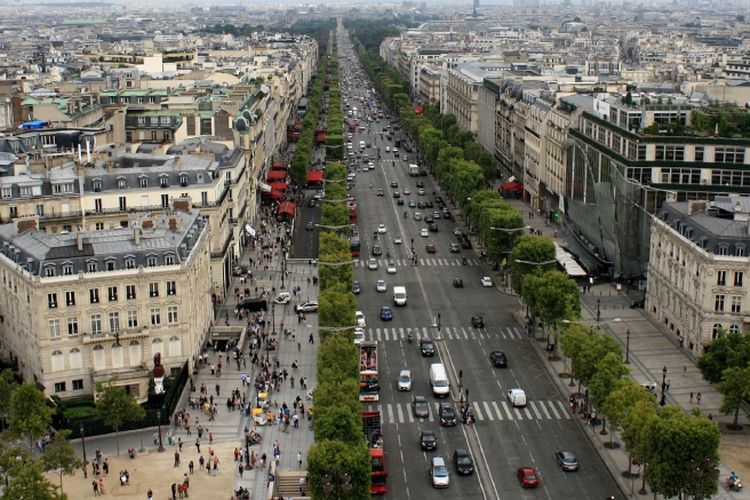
x: 26, y: 418
x: 335, y: 124
x: 303, y: 153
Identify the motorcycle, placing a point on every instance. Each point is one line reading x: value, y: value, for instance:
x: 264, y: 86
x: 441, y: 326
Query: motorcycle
x: 463, y: 261
x: 405, y: 215
x: 409, y: 338
x: 733, y: 484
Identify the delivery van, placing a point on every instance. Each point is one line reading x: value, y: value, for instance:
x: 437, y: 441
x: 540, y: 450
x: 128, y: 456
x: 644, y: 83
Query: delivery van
x: 516, y: 397
x: 439, y: 380
x: 399, y: 295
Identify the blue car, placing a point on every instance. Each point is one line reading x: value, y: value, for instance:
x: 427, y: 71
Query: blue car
x: 385, y: 313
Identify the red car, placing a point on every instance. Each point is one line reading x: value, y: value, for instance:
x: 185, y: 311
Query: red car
x: 430, y: 248
x: 527, y: 477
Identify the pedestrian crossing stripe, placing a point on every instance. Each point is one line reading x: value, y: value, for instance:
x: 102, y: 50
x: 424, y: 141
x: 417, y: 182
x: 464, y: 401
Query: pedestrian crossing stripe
x: 430, y: 261
x: 484, y: 411
x: 448, y: 332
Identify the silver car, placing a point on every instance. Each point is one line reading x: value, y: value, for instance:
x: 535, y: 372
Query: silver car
x: 404, y: 380
x: 372, y: 264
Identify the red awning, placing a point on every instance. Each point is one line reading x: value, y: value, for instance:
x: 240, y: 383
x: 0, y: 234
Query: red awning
x: 512, y: 186
x: 315, y: 176
x: 280, y: 165
x: 276, y: 194
x: 279, y: 186
x: 418, y: 109
x: 287, y: 208
x: 276, y: 175
x: 321, y: 137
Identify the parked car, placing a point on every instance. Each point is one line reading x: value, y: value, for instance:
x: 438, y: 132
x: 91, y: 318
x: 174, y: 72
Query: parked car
x: 282, y: 298
x: 307, y: 307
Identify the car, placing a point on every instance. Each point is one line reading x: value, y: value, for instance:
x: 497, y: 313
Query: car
x: 486, y: 281
x: 387, y: 149
x: 359, y: 335
x: 407, y: 191
x: 477, y: 321
x: 439, y: 473
x: 433, y: 228
x: 356, y: 287
x: 405, y: 158
x: 458, y: 283
x: 395, y: 151
x: 435, y: 214
x: 516, y: 397
x: 427, y: 440
x: 420, y: 183
x: 446, y: 213
x: 424, y: 232
x: 457, y: 232
x: 566, y: 460
x: 282, y: 298
x: 380, y: 286
x: 400, y: 201
x: 371, y: 165
x: 382, y: 229
x: 428, y: 204
x: 430, y: 248
x: 372, y: 264
x: 417, y: 216
x: 360, y: 317
x: 390, y: 267
x: 307, y: 307
x: 420, y: 192
x: 465, y: 243
x: 463, y: 462
x: 412, y: 204
x: 397, y: 239
x: 428, y: 219
x: 380, y: 192
x: 419, y: 407
x: 377, y: 250
x: 420, y: 204
x: 394, y: 184
x: 447, y: 415
x: 638, y: 304
x: 396, y: 195
x: 312, y: 203
x: 527, y: 477
x: 404, y: 380
x: 427, y: 347
x: 423, y: 173
x: 454, y: 248
x: 385, y: 313
x: 499, y: 360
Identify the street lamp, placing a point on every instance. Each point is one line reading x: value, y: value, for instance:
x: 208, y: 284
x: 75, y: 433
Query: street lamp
x: 510, y: 230
x: 598, y: 310
x: 161, y: 444
x: 662, y: 401
x: 333, y: 228
x: 530, y: 263
x: 83, y: 445
x: 343, y: 482
x: 336, y: 264
x: 627, y: 347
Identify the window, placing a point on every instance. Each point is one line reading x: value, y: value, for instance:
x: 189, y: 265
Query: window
x: 736, y: 304
x: 70, y: 298
x: 121, y: 183
x: 143, y: 181
x: 13, y: 212
x: 72, y: 326
x: 172, y: 315
x: 98, y: 205
x: 97, y: 185
x: 130, y: 292
x: 133, y: 319
x: 715, y: 331
x: 67, y: 269
x: 75, y: 359
x: 165, y: 201
x: 94, y: 295
x: 57, y: 360
x: 99, y: 226
x: 78, y: 384
x: 100, y: 362
x: 26, y: 191
x: 151, y: 261
x: 7, y: 191
x: 91, y: 266
x: 112, y: 293
x: 164, y: 181
x: 204, y: 198
x: 168, y: 260
x: 54, y: 328
x: 739, y: 250
x: 96, y: 324
x: 60, y: 387
x: 130, y: 263
x: 698, y: 153
x: 171, y: 288
x: 128, y: 135
x: 114, y: 322
x: 123, y: 203
x: 49, y: 271
x: 719, y: 303
x: 721, y: 278
x: 723, y: 154
x: 155, y: 317
x: 52, y: 300
x: 735, y: 329
x: 40, y: 210
x: 153, y: 289
x: 183, y: 180
x: 738, y: 276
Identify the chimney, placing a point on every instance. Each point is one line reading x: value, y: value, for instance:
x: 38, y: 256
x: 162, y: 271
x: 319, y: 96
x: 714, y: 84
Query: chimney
x: 173, y: 224
x: 79, y: 241
x: 137, y: 236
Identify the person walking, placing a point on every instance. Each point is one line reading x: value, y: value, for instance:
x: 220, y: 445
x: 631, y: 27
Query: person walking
x: 95, y: 486
x: 179, y: 444
x: 198, y: 445
x: 150, y: 495
x: 101, y: 486
x: 691, y: 397
x: 299, y: 459
x: 174, y: 491
x: 698, y: 398
x: 191, y: 466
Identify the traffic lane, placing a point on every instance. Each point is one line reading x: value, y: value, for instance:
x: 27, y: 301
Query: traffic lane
x: 304, y: 242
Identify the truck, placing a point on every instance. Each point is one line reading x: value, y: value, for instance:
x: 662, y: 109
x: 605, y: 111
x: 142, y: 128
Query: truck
x: 368, y: 372
x: 413, y: 170
x: 374, y: 434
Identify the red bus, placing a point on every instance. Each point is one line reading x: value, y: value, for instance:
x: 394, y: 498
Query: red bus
x: 378, y: 485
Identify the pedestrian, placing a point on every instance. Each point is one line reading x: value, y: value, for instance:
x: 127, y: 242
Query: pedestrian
x: 201, y: 462
x: 174, y: 491
x: 101, y: 486
x: 210, y: 437
x: 105, y: 466
x: 698, y: 398
x: 191, y: 465
x: 291, y: 381
x: 311, y: 339
x: 691, y: 397
x: 198, y: 445
x: 149, y: 495
x: 299, y: 459
x: 241, y: 469
x: 176, y: 458
x: 667, y: 384
x: 684, y: 371
x: 95, y: 485
x: 299, y: 347
x: 179, y: 444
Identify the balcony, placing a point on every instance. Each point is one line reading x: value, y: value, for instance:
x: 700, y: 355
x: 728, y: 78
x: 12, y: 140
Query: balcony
x: 126, y: 335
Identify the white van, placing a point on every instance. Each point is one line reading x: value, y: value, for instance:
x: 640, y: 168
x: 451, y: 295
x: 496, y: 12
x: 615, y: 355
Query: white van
x: 516, y: 398
x: 439, y: 380
x: 399, y: 295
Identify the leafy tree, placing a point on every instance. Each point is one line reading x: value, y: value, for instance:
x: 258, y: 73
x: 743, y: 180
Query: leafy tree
x: 499, y: 243
x: 530, y: 249
x: 344, y: 464
x: 11, y: 453
x: 338, y: 393
x: 28, y: 483
x: 29, y: 414
x: 635, y: 432
x: 625, y: 394
x: 7, y: 386
x: 735, y: 386
x: 552, y: 296
x: 117, y: 407
x: 572, y: 342
x: 59, y: 455
x: 336, y: 306
x: 339, y: 423
x: 596, y: 346
x: 609, y: 371
x: 728, y: 350
x: 338, y: 351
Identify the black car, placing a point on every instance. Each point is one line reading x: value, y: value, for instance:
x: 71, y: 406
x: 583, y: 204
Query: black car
x: 447, y: 415
x: 427, y: 347
x: 420, y: 407
x: 428, y: 204
x: 433, y: 228
x: 499, y: 360
x: 376, y: 250
x: 463, y: 462
x: 356, y: 288
x: 400, y: 201
x: 477, y: 321
x: 458, y: 283
x: 420, y: 184
x: 427, y: 440
x: 465, y: 243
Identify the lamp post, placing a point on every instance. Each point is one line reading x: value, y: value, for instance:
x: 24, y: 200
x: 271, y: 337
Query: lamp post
x: 627, y: 347
x: 598, y: 310
x: 161, y: 444
x: 663, y: 401
x: 342, y: 482
x: 83, y: 445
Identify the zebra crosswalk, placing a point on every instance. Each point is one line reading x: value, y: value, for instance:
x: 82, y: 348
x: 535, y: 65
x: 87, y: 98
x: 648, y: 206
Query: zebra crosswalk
x: 484, y: 411
x: 430, y: 261
x: 447, y: 332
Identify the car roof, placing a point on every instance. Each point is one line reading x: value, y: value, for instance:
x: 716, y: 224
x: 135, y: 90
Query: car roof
x: 438, y: 461
x: 419, y: 399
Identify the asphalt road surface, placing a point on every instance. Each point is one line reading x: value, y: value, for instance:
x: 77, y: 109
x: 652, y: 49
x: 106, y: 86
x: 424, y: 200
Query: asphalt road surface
x: 503, y: 438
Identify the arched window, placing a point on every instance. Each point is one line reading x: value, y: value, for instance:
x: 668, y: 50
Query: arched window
x: 175, y: 347
x: 135, y: 353
x: 100, y: 361
x: 58, y: 361
x: 75, y: 358
x: 116, y: 356
x: 157, y: 346
x: 715, y: 330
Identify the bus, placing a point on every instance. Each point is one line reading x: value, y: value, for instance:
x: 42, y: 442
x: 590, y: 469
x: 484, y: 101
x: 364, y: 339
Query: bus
x: 368, y: 372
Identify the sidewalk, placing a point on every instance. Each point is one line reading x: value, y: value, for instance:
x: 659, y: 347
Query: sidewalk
x: 649, y: 350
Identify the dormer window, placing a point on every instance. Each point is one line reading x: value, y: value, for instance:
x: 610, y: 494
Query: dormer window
x: 49, y: 271
x: 121, y: 183
x: 739, y: 250
x: 67, y: 269
x: 143, y: 181
x: 91, y: 266
x: 723, y: 249
x: 169, y: 260
x: 183, y: 180
x: 151, y: 261
x: 97, y: 185
x: 129, y: 262
x: 164, y: 181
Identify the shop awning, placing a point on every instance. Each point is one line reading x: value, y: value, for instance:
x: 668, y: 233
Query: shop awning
x: 276, y: 194
x: 315, y: 176
x: 276, y: 175
x: 280, y: 165
x: 279, y: 186
x: 512, y: 186
x: 287, y: 208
